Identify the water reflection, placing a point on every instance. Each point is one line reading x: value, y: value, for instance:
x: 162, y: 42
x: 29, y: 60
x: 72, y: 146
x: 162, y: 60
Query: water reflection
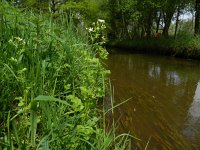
x: 154, y: 71
x: 173, y: 78
x: 192, y: 129
x: 162, y: 91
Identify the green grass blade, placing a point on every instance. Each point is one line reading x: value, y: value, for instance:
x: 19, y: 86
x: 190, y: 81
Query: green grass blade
x: 11, y: 71
x: 15, y: 133
x: 148, y: 143
x: 46, y: 145
x: 33, y: 120
x: 50, y: 99
x: 125, y: 134
x: 111, y: 109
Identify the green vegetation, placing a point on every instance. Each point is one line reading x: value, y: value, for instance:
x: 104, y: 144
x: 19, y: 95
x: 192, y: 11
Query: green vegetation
x: 184, y: 46
x: 51, y: 78
x: 51, y: 64
x: 131, y: 19
x: 156, y: 26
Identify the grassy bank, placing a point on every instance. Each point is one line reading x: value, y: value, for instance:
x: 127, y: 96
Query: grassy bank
x: 50, y: 83
x: 186, y: 46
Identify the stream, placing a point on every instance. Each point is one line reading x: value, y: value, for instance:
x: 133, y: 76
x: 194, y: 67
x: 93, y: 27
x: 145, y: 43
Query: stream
x: 164, y: 105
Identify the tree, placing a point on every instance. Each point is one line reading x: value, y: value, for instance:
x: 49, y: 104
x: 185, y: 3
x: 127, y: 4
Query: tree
x: 177, y: 20
x: 122, y: 14
x: 197, y: 18
x: 169, y: 11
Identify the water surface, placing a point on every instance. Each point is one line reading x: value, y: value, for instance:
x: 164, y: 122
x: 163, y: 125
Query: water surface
x: 165, y: 99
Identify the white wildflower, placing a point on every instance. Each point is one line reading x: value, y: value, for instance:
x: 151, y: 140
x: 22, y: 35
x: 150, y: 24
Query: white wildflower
x: 90, y: 29
x: 101, y: 20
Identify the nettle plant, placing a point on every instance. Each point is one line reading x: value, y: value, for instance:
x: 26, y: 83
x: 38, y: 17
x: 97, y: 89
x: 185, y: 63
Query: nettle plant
x: 97, y: 37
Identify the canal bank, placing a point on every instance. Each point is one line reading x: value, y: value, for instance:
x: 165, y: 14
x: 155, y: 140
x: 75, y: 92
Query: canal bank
x: 182, y: 47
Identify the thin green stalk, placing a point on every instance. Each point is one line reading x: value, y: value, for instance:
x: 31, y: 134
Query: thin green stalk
x: 113, y: 119
x: 148, y: 143
x: 33, y: 121
x: 16, y: 134
x: 117, y: 105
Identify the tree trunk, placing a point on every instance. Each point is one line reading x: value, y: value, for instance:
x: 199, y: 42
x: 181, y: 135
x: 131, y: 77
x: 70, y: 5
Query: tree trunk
x: 158, y: 21
x: 167, y: 21
x: 142, y: 34
x: 125, y: 33
x: 197, y: 18
x: 177, y: 21
x: 149, y: 24
x: 113, y: 21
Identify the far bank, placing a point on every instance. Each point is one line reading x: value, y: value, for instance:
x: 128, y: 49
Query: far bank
x: 184, y: 47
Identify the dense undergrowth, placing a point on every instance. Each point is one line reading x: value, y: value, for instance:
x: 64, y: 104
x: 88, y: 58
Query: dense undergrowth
x: 186, y: 46
x: 50, y: 81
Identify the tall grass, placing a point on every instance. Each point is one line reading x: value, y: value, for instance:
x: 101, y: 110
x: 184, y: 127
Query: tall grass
x: 50, y: 82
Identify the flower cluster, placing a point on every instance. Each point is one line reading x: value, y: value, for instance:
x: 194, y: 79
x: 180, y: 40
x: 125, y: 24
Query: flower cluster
x: 97, y: 32
x: 97, y: 37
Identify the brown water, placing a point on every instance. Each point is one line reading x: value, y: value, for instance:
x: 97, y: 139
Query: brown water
x: 165, y: 100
